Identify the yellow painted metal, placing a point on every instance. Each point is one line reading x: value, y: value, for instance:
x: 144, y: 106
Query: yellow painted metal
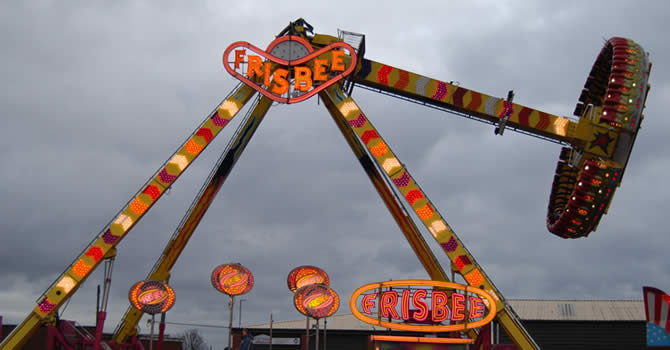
x: 161, y: 272
x: 70, y: 280
x: 598, y: 148
x: 20, y: 335
x: 457, y: 98
x: 110, y: 254
x: 405, y: 223
x: 407, y: 226
x: 320, y: 40
x: 425, y: 210
x: 585, y: 125
x: 515, y: 331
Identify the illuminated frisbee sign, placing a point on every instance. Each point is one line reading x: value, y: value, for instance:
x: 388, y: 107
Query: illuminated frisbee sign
x: 316, y: 301
x: 232, y: 279
x: 423, y: 306
x: 289, y: 70
x: 151, y: 297
x: 306, y: 275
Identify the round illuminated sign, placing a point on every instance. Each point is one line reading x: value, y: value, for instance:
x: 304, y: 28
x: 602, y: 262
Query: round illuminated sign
x: 306, y: 275
x: 232, y: 279
x: 316, y: 301
x: 437, y: 307
x: 151, y: 297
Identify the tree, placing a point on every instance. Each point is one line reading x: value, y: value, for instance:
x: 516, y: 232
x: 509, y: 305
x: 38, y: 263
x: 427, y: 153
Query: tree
x: 193, y: 340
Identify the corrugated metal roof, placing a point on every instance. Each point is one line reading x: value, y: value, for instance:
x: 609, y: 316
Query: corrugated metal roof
x: 548, y: 310
x: 579, y: 310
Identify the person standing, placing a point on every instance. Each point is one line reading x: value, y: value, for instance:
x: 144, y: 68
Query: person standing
x: 247, y: 340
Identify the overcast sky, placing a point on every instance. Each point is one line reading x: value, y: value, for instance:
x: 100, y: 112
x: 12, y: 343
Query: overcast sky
x: 97, y: 95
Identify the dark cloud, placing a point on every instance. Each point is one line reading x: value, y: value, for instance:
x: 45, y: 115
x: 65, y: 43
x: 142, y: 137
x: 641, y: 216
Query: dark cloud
x: 97, y: 97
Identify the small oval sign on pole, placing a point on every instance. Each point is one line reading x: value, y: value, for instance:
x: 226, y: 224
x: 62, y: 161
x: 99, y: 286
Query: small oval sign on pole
x: 305, y: 275
x: 316, y: 301
x: 232, y: 279
x: 151, y: 297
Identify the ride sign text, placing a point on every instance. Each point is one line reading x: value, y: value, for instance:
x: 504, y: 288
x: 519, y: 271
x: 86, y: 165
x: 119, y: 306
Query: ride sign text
x: 446, y: 307
x: 289, y: 70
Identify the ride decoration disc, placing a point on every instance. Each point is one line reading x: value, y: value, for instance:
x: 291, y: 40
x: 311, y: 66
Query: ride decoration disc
x: 151, y: 297
x: 316, y: 301
x: 305, y: 275
x: 232, y: 279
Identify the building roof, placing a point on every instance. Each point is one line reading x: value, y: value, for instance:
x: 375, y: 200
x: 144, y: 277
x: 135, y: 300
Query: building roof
x: 579, y: 310
x: 335, y: 322
x: 546, y: 310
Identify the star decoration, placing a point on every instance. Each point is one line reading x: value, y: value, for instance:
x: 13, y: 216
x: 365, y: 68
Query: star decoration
x: 601, y: 140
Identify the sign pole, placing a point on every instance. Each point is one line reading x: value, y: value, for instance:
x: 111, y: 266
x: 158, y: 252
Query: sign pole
x: 161, y: 332
x: 230, y: 323
x: 317, y: 334
x: 232, y: 280
x: 306, y: 332
x: 325, y: 333
x: 151, y: 338
x: 158, y: 297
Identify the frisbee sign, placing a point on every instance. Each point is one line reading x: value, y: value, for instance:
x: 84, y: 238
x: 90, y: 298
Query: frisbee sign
x: 423, y: 306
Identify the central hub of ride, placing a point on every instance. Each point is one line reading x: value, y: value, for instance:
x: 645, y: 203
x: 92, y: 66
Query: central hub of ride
x: 289, y: 70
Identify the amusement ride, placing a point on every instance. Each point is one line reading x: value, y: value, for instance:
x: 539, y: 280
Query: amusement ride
x: 298, y: 64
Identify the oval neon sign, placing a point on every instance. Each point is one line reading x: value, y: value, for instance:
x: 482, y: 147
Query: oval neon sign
x: 316, y: 301
x: 291, y: 79
x: 151, y: 297
x: 232, y: 279
x: 306, y: 275
x: 447, y: 307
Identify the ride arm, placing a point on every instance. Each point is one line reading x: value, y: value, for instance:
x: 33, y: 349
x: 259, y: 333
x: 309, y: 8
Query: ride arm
x: 75, y: 274
x: 161, y: 271
x: 600, y: 142
x: 417, y: 88
x: 426, y: 211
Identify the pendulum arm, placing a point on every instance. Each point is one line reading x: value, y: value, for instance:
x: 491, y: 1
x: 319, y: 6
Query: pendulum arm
x: 476, y: 105
x: 598, y: 142
x: 161, y: 270
x: 75, y: 274
x: 426, y: 211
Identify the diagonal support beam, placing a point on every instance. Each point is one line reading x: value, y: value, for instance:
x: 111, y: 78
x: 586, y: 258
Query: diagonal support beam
x: 161, y: 270
x: 84, y: 264
x: 397, y: 211
x: 426, y: 211
x: 407, y: 226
